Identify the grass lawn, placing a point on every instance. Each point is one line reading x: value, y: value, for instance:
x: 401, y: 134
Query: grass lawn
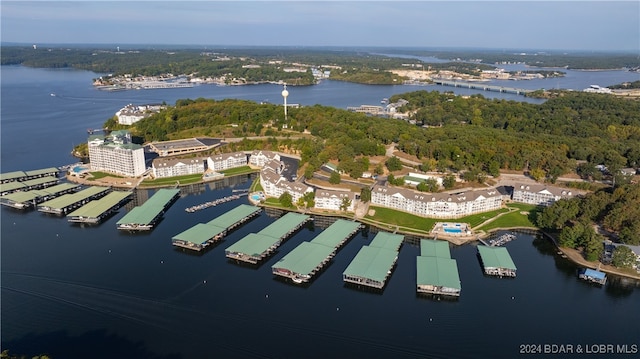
x: 97, y: 175
x: 238, y: 171
x: 515, y: 218
x: 187, y: 179
x: 401, y: 219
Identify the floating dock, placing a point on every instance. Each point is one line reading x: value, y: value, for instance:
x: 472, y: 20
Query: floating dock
x: 256, y: 246
x: 202, y: 235
x: 497, y: 261
x: 29, y: 199
x: 372, y: 265
x: 20, y: 176
x: 146, y: 216
x: 507, y: 237
x: 308, y: 258
x: 95, y: 211
x: 28, y: 185
x: 71, y: 201
x: 436, y: 271
x: 593, y: 276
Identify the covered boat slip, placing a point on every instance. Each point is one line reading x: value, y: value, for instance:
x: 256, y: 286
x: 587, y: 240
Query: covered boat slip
x: 436, y: 272
x: 497, y: 261
x: 593, y: 276
x: 36, y: 183
x: 70, y: 201
x: 308, y: 258
x: 303, y: 261
x: 202, y: 235
x: 27, y: 175
x: 144, y: 217
x: 373, y: 263
x: 97, y: 210
x: 337, y: 233
x: 23, y: 200
x: 256, y: 246
x: 437, y: 275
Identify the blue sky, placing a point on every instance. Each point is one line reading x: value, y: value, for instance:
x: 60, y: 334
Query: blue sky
x: 553, y: 25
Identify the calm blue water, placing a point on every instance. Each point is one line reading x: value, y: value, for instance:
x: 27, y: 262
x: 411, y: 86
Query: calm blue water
x: 91, y: 291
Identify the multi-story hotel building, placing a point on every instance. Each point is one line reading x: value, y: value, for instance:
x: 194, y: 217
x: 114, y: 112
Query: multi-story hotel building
x: 332, y: 200
x: 436, y: 205
x: 539, y: 194
x: 115, y: 153
x: 171, y: 167
x: 226, y: 160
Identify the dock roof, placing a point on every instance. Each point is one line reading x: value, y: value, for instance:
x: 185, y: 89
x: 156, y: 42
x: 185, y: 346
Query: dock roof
x: 336, y: 233
x: 387, y: 240
x: 199, y: 234
x: 594, y: 273
x: 284, y: 225
x: 233, y: 216
x: 71, y: 198
x: 27, y: 196
x: 96, y: 208
x: 433, y: 248
x: 253, y: 244
x: 372, y: 262
x: 437, y: 271
x: 150, y: 209
x: 42, y: 171
x: 306, y: 257
x: 496, y: 257
x: 12, y: 175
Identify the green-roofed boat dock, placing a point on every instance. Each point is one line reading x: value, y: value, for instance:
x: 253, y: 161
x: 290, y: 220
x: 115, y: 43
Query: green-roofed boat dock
x: 28, y: 185
x: 373, y: 264
x: 436, y: 271
x: 95, y: 211
x: 19, y: 176
x: 71, y: 201
x: 146, y: 216
x: 202, y: 235
x: 496, y: 261
x: 257, y: 246
x: 29, y: 199
x: 308, y: 258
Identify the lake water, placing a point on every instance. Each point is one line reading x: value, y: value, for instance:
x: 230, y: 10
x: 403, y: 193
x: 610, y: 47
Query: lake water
x: 74, y: 291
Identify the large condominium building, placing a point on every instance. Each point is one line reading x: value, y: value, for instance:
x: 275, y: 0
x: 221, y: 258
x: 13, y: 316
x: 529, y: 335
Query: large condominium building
x: 115, y: 153
x: 275, y: 185
x: 226, y: 160
x: 131, y: 114
x: 436, y: 205
x: 333, y: 200
x: 260, y: 158
x: 171, y: 167
x: 539, y: 194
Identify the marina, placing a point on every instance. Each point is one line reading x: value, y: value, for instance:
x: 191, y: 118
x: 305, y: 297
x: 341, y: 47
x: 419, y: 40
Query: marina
x: 505, y: 238
x: 373, y: 264
x: 95, y: 211
x: 213, y: 203
x: 308, y: 258
x: 145, y: 217
x: 257, y: 246
x: 70, y: 201
x: 202, y: 235
x: 436, y: 271
x: 496, y: 261
x: 29, y: 199
x: 28, y: 185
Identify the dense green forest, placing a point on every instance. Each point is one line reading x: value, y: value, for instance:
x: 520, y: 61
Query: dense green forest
x: 473, y: 136
x: 615, y: 210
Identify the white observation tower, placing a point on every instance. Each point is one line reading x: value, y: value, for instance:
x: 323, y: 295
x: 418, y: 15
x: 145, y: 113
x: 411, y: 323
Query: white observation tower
x: 285, y: 93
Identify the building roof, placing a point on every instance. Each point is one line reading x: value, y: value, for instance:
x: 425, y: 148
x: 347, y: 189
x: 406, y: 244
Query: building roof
x: 372, y: 263
x: 594, y: 274
x: 199, y: 234
x: 284, y: 225
x: 234, y: 216
x: 336, y: 233
x: 462, y: 197
x: 437, y: 271
x: 496, y: 257
x: 253, y: 244
x: 433, y: 248
x: 71, y: 198
x: 150, y: 209
x: 96, y: 208
x: 306, y: 257
x: 387, y: 240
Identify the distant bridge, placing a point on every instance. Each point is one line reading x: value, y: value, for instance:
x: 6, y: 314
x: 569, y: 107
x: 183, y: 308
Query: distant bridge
x: 482, y: 86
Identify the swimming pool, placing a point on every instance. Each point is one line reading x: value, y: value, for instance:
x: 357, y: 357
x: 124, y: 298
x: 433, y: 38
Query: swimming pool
x: 452, y: 230
x: 255, y: 197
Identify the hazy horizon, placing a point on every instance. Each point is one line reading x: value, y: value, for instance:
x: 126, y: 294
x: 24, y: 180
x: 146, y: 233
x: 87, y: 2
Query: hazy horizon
x: 573, y: 26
